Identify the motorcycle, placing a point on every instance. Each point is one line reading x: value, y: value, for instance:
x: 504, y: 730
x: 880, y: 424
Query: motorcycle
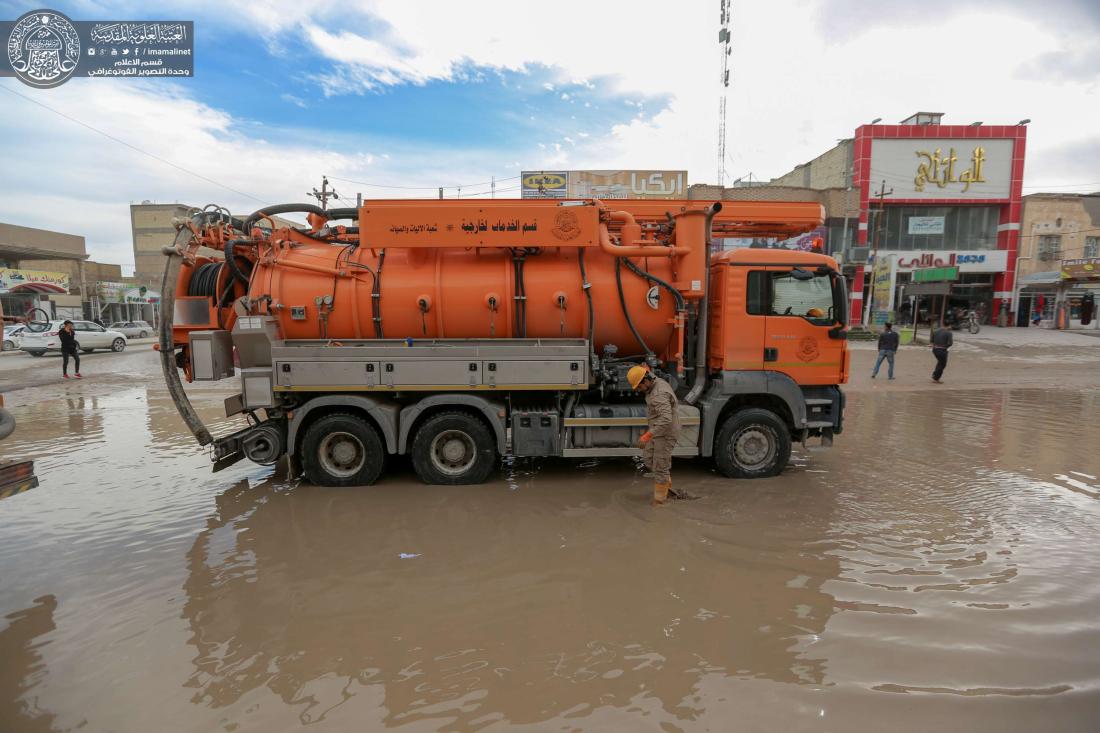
x: 957, y: 320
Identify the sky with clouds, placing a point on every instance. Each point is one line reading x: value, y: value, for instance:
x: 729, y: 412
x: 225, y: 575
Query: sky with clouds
x: 398, y: 97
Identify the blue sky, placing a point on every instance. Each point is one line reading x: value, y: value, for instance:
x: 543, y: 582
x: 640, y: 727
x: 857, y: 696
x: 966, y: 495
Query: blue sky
x: 409, y: 96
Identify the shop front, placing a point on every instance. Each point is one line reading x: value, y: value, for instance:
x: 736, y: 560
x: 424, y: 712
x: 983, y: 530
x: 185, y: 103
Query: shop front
x: 942, y: 196
x: 21, y: 291
x: 126, y: 302
x: 1080, y: 292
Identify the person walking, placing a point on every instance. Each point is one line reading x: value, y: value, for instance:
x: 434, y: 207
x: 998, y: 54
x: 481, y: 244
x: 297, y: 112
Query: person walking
x: 662, y: 430
x: 941, y: 342
x: 69, y: 347
x: 887, y: 349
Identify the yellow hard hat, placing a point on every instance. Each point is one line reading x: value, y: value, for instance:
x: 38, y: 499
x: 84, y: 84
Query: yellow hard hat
x: 636, y: 375
x: 815, y: 313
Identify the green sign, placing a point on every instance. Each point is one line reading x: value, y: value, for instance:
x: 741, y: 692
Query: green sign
x: 935, y: 274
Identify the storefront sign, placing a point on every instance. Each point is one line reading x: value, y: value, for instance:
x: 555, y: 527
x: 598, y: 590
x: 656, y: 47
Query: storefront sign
x: 944, y: 168
x: 1081, y: 269
x: 935, y: 274
x: 33, y: 281
x: 926, y: 224
x: 987, y: 260
x: 122, y: 293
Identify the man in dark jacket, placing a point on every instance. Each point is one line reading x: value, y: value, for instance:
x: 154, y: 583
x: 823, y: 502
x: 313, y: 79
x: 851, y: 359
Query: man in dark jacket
x: 941, y: 342
x: 887, y: 348
x: 69, y: 347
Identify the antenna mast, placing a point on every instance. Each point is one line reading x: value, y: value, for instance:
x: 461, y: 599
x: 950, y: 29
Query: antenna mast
x: 724, y: 46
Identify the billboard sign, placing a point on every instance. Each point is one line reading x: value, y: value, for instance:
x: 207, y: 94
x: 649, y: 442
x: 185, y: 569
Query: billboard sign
x: 544, y: 184
x: 110, y: 292
x: 635, y: 184
x: 944, y: 168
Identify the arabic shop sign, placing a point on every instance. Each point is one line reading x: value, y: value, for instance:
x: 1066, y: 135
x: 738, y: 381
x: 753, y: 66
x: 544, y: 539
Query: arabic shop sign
x: 986, y: 260
x: 33, y: 281
x: 1081, y: 269
x: 636, y: 184
x: 935, y: 274
x: 45, y: 49
x: 944, y: 168
x: 926, y: 224
x: 110, y: 292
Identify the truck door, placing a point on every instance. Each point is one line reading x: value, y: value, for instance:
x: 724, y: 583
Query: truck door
x: 802, y: 335
x: 739, y: 314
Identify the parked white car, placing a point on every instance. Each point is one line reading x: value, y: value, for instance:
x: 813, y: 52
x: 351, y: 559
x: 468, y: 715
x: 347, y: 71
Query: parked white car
x: 13, y: 336
x: 89, y: 335
x: 133, y: 329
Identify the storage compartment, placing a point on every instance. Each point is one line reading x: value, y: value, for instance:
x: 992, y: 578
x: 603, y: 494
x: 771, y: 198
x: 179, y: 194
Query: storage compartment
x: 328, y: 374
x: 536, y: 433
x: 622, y: 425
x: 256, y: 387
x: 211, y: 355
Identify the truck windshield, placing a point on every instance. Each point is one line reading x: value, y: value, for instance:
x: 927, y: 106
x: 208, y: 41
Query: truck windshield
x: 811, y: 299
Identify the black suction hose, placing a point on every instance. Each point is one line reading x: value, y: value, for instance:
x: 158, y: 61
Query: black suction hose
x: 281, y: 209
x: 231, y: 261
x: 679, y: 298
x: 626, y: 312
x: 376, y: 296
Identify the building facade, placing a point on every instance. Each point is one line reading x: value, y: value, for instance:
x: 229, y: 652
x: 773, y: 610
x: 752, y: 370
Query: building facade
x: 1059, y: 260
x: 39, y: 269
x: 933, y: 195
x: 152, y: 228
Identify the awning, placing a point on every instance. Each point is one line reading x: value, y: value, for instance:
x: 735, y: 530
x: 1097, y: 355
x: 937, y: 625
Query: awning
x: 36, y: 288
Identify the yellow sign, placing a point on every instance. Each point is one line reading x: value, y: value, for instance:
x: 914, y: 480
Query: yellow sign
x: 940, y: 169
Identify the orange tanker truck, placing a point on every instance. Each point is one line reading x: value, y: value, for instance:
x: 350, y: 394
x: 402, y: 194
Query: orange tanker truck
x: 460, y: 332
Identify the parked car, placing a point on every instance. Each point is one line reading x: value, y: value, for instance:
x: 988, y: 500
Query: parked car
x: 13, y: 336
x: 89, y: 335
x: 133, y: 329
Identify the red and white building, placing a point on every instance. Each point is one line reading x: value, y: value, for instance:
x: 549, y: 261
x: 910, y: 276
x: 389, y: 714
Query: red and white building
x: 953, y: 196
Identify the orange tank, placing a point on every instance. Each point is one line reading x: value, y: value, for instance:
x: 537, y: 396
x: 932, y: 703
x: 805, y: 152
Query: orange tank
x: 501, y: 268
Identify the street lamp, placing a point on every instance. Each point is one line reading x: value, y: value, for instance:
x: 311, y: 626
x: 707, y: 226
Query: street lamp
x: 876, y: 120
x: 1024, y: 121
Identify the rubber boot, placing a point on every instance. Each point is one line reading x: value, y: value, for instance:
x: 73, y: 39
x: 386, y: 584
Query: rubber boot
x: 660, y: 492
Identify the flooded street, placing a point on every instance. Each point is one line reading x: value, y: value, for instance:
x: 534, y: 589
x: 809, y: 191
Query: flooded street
x: 935, y: 570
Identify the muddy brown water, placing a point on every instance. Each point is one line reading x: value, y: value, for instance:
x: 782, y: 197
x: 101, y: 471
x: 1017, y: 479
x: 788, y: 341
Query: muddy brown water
x: 936, y: 570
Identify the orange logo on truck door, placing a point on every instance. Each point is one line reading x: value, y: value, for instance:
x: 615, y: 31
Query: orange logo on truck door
x: 807, y: 349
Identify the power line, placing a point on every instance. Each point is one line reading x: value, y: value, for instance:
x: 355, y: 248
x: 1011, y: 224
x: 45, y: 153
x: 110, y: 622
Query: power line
x: 133, y: 147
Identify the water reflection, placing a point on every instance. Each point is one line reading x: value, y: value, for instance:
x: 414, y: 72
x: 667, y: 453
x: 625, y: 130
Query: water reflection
x: 503, y: 609
x: 22, y: 669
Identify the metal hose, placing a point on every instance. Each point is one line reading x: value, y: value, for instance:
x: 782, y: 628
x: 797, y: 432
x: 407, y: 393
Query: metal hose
x: 167, y: 348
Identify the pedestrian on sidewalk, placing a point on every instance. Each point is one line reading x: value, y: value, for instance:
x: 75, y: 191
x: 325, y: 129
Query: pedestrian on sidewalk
x: 887, y: 349
x: 69, y: 347
x: 663, y: 422
x: 941, y: 342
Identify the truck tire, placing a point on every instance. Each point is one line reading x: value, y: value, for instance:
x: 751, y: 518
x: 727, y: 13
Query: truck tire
x: 453, y: 448
x: 753, y: 443
x: 342, y: 450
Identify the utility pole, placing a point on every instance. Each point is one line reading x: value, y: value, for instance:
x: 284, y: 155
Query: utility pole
x: 493, y: 187
x: 882, y: 194
x: 441, y: 193
x: 324, y: 194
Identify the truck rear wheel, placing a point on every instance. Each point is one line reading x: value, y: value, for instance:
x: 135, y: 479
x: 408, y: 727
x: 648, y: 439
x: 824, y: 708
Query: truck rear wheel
x: 342, y: 450
x: 753, y: 443
x: 453, y: 448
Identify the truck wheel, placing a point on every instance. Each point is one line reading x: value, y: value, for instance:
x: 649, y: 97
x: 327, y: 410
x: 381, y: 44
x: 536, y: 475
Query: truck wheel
x: 342, y: 450
x: 453, y: 448
x: 753, y: 443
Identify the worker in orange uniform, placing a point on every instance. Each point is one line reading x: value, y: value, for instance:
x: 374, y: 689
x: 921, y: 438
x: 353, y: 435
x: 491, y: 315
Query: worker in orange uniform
x: 663, y: 429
